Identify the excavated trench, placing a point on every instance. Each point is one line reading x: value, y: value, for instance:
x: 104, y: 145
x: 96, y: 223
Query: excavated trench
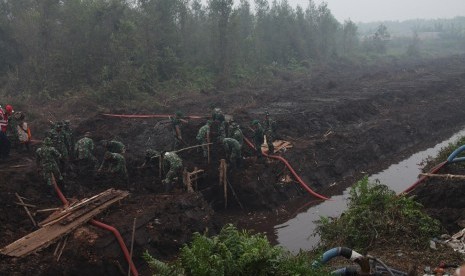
x: 365, y: 120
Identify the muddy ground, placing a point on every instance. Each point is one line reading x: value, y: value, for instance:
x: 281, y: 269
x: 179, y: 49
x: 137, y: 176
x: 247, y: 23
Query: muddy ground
x: 343, y: 121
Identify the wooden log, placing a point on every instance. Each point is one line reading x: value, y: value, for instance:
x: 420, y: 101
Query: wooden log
x: 27, y: 210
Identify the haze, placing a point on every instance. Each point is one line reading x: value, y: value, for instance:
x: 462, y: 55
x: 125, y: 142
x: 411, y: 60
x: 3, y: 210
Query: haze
x: 382, y: 10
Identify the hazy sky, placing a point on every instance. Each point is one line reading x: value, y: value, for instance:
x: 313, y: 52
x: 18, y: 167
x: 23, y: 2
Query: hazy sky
x: 379, y: 10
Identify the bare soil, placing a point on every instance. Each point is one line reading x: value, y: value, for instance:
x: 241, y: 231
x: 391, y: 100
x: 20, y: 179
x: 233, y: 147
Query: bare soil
x: 344, y: 121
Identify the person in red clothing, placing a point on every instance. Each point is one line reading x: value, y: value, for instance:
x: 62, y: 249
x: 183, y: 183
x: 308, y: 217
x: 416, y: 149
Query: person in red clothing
x: 4, y: 142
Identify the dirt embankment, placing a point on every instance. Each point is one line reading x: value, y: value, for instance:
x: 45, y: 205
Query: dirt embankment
x: 342, y: 121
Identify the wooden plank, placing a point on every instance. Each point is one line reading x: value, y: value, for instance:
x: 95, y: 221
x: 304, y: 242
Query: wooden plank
x: 66, y: 212
x: 47, y: 235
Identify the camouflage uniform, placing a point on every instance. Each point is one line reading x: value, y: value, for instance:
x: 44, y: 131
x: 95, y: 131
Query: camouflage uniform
x: 258, y: 137
x: 83, y: 150
x: 69, y: 139
x: 114, y: 146
x: 150, y: 156
x: 236, y: 133
x: 176, y: 122
x: 233, y: 150
x: 115, y: 164
x: 59, y: 141
x: 46, y: 158
x: 270, y: 126
x: 203, y: 136
x: 174, y: 162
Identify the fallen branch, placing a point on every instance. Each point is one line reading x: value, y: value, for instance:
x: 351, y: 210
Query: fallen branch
x: 48, y: 210
x: 25, y: 204
x: 447, y: 176
x: 27, y: 210
x: 62, y: 248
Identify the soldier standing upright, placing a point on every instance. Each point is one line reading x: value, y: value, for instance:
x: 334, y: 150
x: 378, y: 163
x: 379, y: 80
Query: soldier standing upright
x: 46, y: 158
x: 270, y: 127
x: 176, y: 123
x: 203, y: 137
x: 83, y: 151
x: 69, y: 137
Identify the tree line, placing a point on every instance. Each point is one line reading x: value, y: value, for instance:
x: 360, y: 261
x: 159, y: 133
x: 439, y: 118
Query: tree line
x: 121, y: 47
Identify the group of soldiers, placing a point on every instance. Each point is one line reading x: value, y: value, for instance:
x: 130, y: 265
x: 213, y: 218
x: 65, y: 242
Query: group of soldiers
x: 59, y: 150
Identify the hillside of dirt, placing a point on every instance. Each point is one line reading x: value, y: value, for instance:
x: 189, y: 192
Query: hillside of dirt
x: 342, y: 120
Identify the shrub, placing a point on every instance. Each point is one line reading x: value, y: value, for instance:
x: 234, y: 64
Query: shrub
x: 376, y: 215
x: 233, y: 252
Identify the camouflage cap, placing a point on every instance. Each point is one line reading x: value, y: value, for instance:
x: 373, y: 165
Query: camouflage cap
x: 178, y: 114
x: 255, y: 122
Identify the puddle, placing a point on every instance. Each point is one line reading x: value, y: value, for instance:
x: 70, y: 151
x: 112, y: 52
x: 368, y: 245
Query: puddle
x: 297, y: 233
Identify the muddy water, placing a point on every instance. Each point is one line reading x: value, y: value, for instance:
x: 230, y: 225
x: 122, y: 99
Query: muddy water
x: 297, y: 233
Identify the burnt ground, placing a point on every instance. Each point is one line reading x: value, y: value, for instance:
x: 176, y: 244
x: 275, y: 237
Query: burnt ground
x: 443, y: 198
x: 343, y: 121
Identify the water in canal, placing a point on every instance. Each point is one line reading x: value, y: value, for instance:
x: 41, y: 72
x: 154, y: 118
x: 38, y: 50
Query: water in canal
x: 297, y: 233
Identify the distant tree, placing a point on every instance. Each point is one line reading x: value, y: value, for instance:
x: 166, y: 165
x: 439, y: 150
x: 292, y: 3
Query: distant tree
x: 413, y: 48
x: 381, y: 38
x: 350, y: 37
x: 220, y: 11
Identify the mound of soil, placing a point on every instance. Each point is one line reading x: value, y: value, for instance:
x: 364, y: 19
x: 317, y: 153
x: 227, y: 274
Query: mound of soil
x: 444, y: 198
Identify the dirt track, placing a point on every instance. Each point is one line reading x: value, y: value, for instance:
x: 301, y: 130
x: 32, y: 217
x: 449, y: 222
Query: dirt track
x: 342, y: 120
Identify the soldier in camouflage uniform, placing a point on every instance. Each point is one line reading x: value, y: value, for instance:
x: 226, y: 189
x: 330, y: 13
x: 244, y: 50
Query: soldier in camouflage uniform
x: 58, y: 140
x: 235, y: 132
x: 176, y: 123
x: 150, y: 157
x: 115, y: 165
x: 203, y: 137
x: 258, y: 137
x: 114, y: 146
x: 269, y: 126
x: 233, y: 151
x: 69, y: 138
x: 83, y: 151
x: 46, y: 158
x: 172, y: 161
x: 219, y: 123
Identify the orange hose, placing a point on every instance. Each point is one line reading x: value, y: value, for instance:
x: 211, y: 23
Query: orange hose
x: 297, y: 177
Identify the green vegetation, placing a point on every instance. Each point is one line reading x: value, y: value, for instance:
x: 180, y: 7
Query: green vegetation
x: 233, y: 253
x: 121, y: 51
x: 443, y: 154
x: 377, y: 216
